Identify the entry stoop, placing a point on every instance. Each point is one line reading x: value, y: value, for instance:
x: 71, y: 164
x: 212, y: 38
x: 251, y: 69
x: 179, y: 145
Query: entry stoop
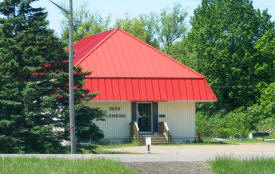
x: 155, y: 138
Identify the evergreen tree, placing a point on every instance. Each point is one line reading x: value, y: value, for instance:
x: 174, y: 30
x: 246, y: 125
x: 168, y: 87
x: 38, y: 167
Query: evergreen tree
x: 12, y: 120
x: 34, y: 83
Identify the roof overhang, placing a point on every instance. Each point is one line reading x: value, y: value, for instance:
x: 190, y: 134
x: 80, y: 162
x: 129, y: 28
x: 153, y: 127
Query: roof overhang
x: 154, y: 89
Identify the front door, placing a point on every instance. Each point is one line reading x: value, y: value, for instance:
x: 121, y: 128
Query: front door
x: 144, y: 117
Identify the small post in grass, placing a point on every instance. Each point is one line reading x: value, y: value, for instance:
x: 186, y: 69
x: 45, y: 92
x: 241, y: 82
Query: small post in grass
x: 148, y: 144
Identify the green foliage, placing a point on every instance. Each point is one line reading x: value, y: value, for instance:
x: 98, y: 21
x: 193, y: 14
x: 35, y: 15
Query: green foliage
x: 17, y: 61
x: 266, y: 124
x: 264, y: 112
x: 85, y: 24
x: 232, y: 44
x: 87, y: 130
x: 169, y: 26
x: 229, y: 165
x: 141, y: 27
x: 242, y: 120
x: 158, y: 30
x: 237, y: 121
x: 225, y: 39
x: 267, y: 102
x: 202, y: 125
x: 179, y: 50
x: 34, y: 84
x: 264, y: 68
x: 225, y: 125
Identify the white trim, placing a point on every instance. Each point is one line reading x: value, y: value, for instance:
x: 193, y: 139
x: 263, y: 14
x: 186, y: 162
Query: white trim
x: 151, y: 116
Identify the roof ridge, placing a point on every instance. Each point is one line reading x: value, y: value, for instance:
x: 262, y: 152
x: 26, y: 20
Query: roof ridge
x: 167, y: 56
x: 98, y: 44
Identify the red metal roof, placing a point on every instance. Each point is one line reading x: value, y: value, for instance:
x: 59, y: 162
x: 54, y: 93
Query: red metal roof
x: 87, y: 44
x: 141, y: 89
x: 126, y: 68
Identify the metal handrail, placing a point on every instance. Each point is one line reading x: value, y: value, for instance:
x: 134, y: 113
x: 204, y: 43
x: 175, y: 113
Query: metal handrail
x: 164, y: 130
x: 166, y: 126
x: 134, y: 130
x: 136, y: 126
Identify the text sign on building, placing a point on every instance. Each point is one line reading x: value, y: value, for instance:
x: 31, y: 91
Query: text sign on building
x: 115, y: 112
x: 117, y: 116
x: 114, y: 108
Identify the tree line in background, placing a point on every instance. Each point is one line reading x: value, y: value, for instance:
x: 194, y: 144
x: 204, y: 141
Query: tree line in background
x: 229, y: 41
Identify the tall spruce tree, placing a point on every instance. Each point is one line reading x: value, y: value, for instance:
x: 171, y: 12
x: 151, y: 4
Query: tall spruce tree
x: 12, y: 119
x: 34, y: 84
x: 222, y: 40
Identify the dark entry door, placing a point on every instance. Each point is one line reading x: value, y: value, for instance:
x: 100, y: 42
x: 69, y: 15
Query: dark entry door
x: 144, y: 117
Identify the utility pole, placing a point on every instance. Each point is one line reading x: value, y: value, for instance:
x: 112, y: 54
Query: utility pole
x: 71, y: 75
x: 71, y: 80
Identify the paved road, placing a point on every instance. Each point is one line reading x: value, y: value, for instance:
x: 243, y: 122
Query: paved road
x: 205, y: 150
x: 139, y: 157
x: 170, y: 167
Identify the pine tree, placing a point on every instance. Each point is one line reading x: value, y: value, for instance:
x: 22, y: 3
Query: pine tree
x: 34, y: 83
x: 11, y: 81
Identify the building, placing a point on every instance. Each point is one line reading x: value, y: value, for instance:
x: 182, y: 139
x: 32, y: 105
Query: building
x: 143, y: 90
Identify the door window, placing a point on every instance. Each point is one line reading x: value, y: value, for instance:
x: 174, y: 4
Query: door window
x: 144, y: 117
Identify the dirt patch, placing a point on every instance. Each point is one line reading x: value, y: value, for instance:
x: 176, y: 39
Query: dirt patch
x: 170, y: 167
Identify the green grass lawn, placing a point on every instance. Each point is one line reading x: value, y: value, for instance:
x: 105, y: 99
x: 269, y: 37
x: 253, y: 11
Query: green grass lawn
x: 61, y: 166
x: 103, y: 149
x: 228, y: 165
x: 209, y: 140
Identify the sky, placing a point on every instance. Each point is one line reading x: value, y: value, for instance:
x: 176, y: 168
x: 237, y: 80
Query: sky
x: 118, y: 8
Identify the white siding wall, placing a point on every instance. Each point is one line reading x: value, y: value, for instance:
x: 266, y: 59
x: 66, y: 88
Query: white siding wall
x: 114, y: 127
x: 180, y: 118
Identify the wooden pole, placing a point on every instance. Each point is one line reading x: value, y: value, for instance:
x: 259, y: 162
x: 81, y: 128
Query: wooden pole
x: 71, y: 81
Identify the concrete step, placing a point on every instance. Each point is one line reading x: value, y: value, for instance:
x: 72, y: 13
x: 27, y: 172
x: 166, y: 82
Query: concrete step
x: 155, y: 138
x: 152, y: 136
